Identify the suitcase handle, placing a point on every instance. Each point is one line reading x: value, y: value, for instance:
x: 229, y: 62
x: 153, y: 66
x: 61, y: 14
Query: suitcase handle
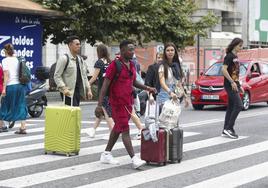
x: 64, y: 98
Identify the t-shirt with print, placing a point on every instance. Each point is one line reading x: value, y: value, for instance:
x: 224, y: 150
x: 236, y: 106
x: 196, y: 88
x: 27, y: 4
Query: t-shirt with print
x: 120, y: 90
x: 11, y: 64
x: 102, y: 65
x: 233, y: 64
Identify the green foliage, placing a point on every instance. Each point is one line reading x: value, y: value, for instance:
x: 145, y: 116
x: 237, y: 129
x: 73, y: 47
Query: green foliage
x: 114, y: 20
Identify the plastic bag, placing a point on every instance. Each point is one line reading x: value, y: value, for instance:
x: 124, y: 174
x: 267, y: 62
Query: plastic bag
x: 170, y: 114
x: 151, y: 122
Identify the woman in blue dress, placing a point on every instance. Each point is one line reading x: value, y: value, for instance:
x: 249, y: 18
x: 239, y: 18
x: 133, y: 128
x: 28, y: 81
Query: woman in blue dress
x: 13, y: 103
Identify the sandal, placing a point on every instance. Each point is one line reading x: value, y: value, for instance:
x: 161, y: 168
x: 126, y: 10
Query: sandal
x: 21, y: 131
x: 11, y: 124
x: 3, y: 129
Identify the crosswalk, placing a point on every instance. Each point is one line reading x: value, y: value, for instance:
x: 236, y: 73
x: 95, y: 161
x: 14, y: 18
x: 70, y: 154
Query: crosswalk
x: 201, y: 156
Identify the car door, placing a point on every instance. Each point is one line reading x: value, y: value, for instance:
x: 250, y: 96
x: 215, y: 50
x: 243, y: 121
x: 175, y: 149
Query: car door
x: 256, y: 85
x: 264, y: 70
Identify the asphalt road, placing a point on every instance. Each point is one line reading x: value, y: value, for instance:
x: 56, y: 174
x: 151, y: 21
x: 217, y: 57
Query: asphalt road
x: 209, y: 160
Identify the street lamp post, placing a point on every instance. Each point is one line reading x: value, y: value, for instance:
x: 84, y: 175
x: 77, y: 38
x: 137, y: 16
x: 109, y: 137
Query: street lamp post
x: 198, y: 55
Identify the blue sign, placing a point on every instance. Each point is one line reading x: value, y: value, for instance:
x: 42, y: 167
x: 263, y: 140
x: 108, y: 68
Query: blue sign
x: 25, y: 33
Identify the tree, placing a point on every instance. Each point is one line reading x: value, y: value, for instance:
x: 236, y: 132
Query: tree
x: 114, y: 20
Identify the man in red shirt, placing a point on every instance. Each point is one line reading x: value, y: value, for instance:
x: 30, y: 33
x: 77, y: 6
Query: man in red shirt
x: 121, y: 100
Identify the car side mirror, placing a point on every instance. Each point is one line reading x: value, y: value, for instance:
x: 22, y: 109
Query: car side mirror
x: 254, y: 75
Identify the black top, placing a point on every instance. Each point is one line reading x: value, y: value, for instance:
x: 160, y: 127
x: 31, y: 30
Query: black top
x: 233, y: 64
x: 151, y: 78
x: 78, y: 73
x: 102, y: 66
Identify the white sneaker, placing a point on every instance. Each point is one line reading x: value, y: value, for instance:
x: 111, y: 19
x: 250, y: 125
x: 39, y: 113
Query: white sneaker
x: 92, y: 133
x: 137, y: 162
x: 107, y: 158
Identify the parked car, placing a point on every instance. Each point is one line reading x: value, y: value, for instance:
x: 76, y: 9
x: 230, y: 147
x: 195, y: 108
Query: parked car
x: 209, y: 90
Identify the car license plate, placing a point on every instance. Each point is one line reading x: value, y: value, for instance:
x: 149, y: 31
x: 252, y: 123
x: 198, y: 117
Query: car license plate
x: 210, y: 97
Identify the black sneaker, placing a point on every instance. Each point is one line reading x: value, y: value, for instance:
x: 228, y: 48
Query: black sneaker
x: 3, y: 129
x: 230, y: 134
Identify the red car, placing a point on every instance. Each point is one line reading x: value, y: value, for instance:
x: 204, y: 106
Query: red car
x: 209, y: 90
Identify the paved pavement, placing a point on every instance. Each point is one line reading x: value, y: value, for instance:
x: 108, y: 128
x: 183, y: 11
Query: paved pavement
x: 209, y: 160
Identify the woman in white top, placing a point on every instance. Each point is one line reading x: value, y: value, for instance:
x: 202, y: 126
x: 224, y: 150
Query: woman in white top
x: 13, y: 104
x: 170, y: 76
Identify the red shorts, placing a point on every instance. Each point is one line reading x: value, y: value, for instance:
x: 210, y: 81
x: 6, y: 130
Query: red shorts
x: 121, y: 117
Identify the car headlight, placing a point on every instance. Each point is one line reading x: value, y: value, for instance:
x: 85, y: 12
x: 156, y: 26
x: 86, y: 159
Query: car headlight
x: 194, y: 86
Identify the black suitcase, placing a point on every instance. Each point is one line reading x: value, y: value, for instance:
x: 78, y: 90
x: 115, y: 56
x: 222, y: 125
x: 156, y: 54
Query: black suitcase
x: 175, y: 145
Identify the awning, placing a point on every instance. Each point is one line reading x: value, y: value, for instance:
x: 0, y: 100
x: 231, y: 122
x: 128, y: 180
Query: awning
x: 28, y: 7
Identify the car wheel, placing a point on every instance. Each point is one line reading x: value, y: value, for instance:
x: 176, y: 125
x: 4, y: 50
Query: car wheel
x: 198, y: 106
x: 246, y: 100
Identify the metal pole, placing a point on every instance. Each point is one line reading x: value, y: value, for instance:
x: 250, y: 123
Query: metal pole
x: 198, y: 54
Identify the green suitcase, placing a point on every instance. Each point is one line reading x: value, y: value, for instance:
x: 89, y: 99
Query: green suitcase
x: 62, y: 129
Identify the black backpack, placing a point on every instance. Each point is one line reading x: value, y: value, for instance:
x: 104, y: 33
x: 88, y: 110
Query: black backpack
x: 52, y: 83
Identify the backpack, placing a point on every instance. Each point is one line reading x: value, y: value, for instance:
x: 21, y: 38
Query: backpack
x: 52, y: 83
x: 24, y: 71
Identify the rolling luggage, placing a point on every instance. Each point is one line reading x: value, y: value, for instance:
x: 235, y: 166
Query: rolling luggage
x: 62, y: 130
x: 175, y: 145
x: 155, y: 152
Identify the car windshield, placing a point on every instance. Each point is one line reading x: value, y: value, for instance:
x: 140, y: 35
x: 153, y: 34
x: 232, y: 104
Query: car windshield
x: 215, y: 69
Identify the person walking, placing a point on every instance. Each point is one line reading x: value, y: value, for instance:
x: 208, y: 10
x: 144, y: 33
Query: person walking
x: 152, y: 78
x: 230, y: 70
x: 99, y: 72
x: 121, y: 100
x: 13, y: 103
x: 71, y: 74
x: 170, y: 77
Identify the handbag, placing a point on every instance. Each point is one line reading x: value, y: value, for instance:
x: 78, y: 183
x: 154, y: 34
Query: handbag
x: 169, y: 116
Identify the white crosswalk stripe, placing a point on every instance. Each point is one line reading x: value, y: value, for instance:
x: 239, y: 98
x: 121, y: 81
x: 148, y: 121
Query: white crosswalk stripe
x: 236, y: 178
x: 62, y: 172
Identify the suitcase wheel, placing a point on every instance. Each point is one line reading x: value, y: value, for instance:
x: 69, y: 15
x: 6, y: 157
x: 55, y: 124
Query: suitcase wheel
x: 164, y: 163
x: 147, y: 162
x: 45, y: 152
x: 68, y: 155
x: 179, y: 161
x: 76, y: 153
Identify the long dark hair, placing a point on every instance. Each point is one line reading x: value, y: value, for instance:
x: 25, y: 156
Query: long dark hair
x: 233, y: 44
x: 174, y: 60
x: 9, y: 49
x: 102, y: 52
